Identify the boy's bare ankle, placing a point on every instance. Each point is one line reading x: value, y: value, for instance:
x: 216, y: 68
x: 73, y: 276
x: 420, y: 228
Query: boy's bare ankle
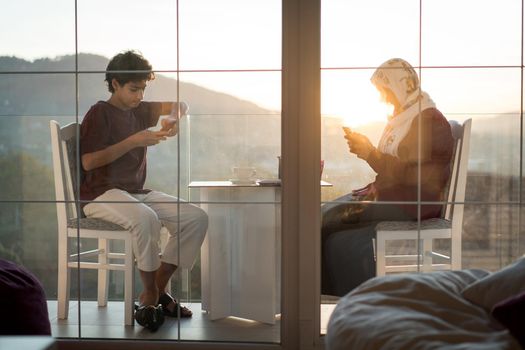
x: 149, y: 297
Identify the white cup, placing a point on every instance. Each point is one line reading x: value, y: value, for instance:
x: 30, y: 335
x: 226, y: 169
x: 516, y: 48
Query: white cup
x: 243, y: 172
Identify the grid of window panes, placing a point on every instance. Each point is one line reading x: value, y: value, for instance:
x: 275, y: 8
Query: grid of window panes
x: 471, y: 66
x: 227, y: 67
x: 52, y: 68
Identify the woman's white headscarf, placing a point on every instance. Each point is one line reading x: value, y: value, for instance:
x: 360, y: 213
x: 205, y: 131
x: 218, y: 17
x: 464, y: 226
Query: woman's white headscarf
x: 398, y: 76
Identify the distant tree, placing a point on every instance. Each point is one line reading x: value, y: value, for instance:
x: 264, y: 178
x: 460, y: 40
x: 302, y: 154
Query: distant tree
x: 28, y: 229
x: 9, y: 254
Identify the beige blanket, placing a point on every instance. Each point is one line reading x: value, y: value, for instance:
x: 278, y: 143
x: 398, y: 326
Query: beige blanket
x: 415, y: 311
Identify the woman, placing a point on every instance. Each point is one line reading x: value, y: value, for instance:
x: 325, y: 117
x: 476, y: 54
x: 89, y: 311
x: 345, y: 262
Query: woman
x: 417, y: 136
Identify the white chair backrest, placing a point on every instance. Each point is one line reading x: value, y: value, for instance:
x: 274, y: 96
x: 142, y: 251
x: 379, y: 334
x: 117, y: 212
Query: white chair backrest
x: 64, y: 146
x: 458, y: 177
x: 456, y: 193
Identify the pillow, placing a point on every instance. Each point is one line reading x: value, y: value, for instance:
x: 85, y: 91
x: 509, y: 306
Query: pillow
x: 511, y: 313
x: 497, y: 286
x: 24, y: 311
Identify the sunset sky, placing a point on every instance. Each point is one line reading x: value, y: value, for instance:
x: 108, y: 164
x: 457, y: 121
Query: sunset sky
x: 246, y: 35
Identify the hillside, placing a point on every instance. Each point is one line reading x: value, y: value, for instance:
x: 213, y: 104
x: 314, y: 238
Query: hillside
x: 225, y: 130
x: 54, y: 94
x: 221, y: 124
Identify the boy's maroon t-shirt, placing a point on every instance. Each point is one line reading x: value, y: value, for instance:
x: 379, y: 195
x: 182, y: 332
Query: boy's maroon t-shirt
x: 105, y: 125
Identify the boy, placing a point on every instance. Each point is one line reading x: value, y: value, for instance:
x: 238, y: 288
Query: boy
x: 114, y: 137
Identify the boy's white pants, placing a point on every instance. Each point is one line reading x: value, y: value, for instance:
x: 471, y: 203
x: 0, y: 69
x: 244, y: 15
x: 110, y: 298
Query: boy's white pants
x: 144, y: 215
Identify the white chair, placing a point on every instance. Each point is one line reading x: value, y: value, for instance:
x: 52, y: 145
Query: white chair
x: 449, y: 226
x: 71, y: 226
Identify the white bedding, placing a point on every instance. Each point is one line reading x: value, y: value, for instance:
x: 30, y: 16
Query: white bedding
x: 415, y: 311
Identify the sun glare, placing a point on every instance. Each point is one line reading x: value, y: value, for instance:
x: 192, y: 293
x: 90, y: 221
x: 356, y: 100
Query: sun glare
x: 355, y: 105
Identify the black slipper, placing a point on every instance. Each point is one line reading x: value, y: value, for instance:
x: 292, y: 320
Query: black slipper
x: 165, y: 299
x: 149, y: 316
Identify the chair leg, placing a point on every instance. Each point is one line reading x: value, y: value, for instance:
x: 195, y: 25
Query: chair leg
x: 455, y: 254
x: 102, y: 294
x: 427, y: 255
x: 380, y: 255
x: 64, y: 278
x: 164, y: 235
x: 129, y: 284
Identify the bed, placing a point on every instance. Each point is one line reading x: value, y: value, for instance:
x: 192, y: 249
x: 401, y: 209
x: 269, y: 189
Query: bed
x: 466, y: 309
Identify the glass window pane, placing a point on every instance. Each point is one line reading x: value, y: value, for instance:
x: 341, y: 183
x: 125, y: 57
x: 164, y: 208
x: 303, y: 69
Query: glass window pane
x: 452, y: 35
x: 26, y: 157
x: 230, y: 35
x: 490, y: 96
x: 490, y: 234
x: 233, y: 140
x: 37, y: 94
x: 240, y: 297
x: 28, y: 237
x: 252, y: 92
x: 494, y: 158
x: 367, y: 33
x: 107, y: 28
x: 474, y: 90
x: 227, y: 155
x: 38, y: 33
x: 234, y: 121
x: 349, y: 99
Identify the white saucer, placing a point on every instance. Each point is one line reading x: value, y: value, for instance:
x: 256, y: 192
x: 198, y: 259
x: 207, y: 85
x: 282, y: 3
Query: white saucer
x: 269, y: 182
x: 242, y: 181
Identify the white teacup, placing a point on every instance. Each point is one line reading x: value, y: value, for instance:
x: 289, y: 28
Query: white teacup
x: 243, y: 172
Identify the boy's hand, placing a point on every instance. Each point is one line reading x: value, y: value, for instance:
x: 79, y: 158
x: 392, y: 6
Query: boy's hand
x: 179, y: 109
x: 358, y: 144
x: 148, y: 138
x: 170, y: 125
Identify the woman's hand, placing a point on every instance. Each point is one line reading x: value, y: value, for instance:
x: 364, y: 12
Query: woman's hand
x: 358, y: 144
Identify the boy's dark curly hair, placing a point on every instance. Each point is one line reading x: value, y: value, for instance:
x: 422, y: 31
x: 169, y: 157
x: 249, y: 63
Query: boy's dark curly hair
x: 128, y: 61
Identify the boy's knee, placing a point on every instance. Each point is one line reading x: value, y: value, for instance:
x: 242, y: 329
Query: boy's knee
x: 147, y: 221
x: 201, y: 218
